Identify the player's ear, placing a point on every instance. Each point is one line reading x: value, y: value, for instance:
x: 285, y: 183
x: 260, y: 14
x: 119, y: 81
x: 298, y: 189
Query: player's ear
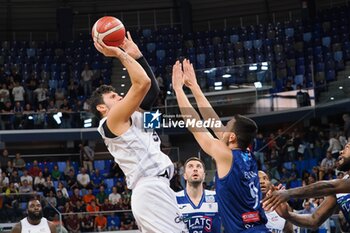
x: 102, y: 108
x: 232, y: 138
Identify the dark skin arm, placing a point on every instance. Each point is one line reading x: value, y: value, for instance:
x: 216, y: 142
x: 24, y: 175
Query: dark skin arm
x: 313, y: 221
x: 17, y: 228
x: 318, y: 189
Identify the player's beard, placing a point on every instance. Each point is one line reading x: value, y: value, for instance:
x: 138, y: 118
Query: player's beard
x: 345, y: 166
x: 35, y: 216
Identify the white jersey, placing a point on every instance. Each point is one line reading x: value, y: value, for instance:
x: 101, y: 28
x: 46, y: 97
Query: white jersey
x: 275, y: 223
x: 137, y: 151
x: 42, y: 227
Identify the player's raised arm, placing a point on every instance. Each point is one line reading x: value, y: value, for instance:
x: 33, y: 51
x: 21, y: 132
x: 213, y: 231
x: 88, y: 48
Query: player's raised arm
x: 318, y: 189
x: 206, y: 141
x: 119, y: 114
x: 133, y: 50
x: 314, y: 220
x: 203, y: 104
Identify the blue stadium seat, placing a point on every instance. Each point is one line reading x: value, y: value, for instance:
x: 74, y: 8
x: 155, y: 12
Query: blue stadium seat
x: 99, y: 164
x: 109, y: 182
x: 234, y: 38
x: 326, y: 41
x: 307, y: 36
x: 289, y: 32
x: 61, y: 166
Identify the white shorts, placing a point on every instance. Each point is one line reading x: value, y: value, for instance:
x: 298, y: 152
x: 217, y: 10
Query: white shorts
x: 154, y: 207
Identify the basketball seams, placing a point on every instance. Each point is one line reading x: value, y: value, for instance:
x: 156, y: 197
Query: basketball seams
x: 103, y: 34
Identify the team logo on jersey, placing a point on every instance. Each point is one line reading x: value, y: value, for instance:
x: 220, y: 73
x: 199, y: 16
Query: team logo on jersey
x: 210, y: 199
x: 151, y: 120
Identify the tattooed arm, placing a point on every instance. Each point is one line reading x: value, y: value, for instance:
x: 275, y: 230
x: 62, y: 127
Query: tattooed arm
x: 318, y: 189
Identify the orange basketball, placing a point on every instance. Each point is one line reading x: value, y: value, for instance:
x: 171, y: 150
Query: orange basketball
x: 110, y: 30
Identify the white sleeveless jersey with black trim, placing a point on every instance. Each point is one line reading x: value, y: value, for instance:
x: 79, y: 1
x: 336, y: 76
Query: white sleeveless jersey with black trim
x: 343, y: 200
x: 137, y: 151
x: 42, y: 227
x: 275, y: 223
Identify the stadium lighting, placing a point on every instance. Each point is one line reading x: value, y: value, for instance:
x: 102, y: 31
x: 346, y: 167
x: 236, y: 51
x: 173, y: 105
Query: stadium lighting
x: 257, y: 85
x: 124, y: 68
x: 122, y: 93
x: 332, y: 98
x: 340, y: 88
x: 122, y: 85
x: 264, y: 63
x: 253, y: 67
x: 30, y: 117
x: 217, y: 84
x: 226, y: 76
x: 210, y: 70
x: 123, y: 76
x: 218, y: 88
x: 264, y: 68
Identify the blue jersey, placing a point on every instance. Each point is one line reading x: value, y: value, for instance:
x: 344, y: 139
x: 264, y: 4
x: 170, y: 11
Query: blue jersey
x: 239, y: 196
x: 203, y: 218
x: 343, y: 200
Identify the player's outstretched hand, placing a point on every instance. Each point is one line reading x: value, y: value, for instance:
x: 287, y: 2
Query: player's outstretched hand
x: 177, y: 77
x: 108, y: 51
x: 189, y: 74
x: 130, y: 47
x: 274, y: 198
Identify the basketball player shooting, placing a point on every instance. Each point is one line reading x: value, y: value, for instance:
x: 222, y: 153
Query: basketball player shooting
x: 237, y: 181
x: 34, y: 222
x: 137, y: 150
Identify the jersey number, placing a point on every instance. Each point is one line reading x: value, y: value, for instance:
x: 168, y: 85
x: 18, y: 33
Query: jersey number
x: 254, y: 194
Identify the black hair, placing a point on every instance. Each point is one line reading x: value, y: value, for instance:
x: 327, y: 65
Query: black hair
x: 245, y: 130
x: 96, y: 98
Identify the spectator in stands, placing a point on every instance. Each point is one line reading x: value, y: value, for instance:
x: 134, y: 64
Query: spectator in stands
x: 18, y: 162
x: 18, y: 93
x: 97, y: 179
x: 101, y: 196
x: 113, y: 222
x: 80, y: 207
x: 60, y: 95
x: 7, y: 116
x: 87, y: 223
x: 35, y: 169
x: 114, y: 197
x: 69, y: 167
x: 41, y: 95
x: 72, y: 90
x: 4, y: 95
x: 15, y: 178
x: 51, y: 199
x: 75, y: 197
x: 18, y: 115
x: 334, y: 145
x: 67, y: 208
x: 120, y: 187
x: 61, y: 200
x: 92, y: 207
x: 127, y: 221
x: 4, y: 181
x: 39, y: 182
x: 86, y: 81
x: 48, y: 186
x: 25, y: 188
x: 100, y: 223
x: 346, y: 118
x: 327, y: 166
x: 72, y: 223
x: 66, y: 110
x: 27, y: 177
x: 303, y: 98
x: 107, y: 206
x: 308, y: 209
x: 87, y: 155
x: 115, y: 171
x: 71, y: 180
x: 87, y: 198
x: 83, y: 179
x: 46, y: 172
x: 55, y: 174
x: 11, y: 203
x: 4, y: 159
x: 60, y: 187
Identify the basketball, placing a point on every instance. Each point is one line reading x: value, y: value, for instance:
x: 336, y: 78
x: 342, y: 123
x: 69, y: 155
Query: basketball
x: 110, y: 30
